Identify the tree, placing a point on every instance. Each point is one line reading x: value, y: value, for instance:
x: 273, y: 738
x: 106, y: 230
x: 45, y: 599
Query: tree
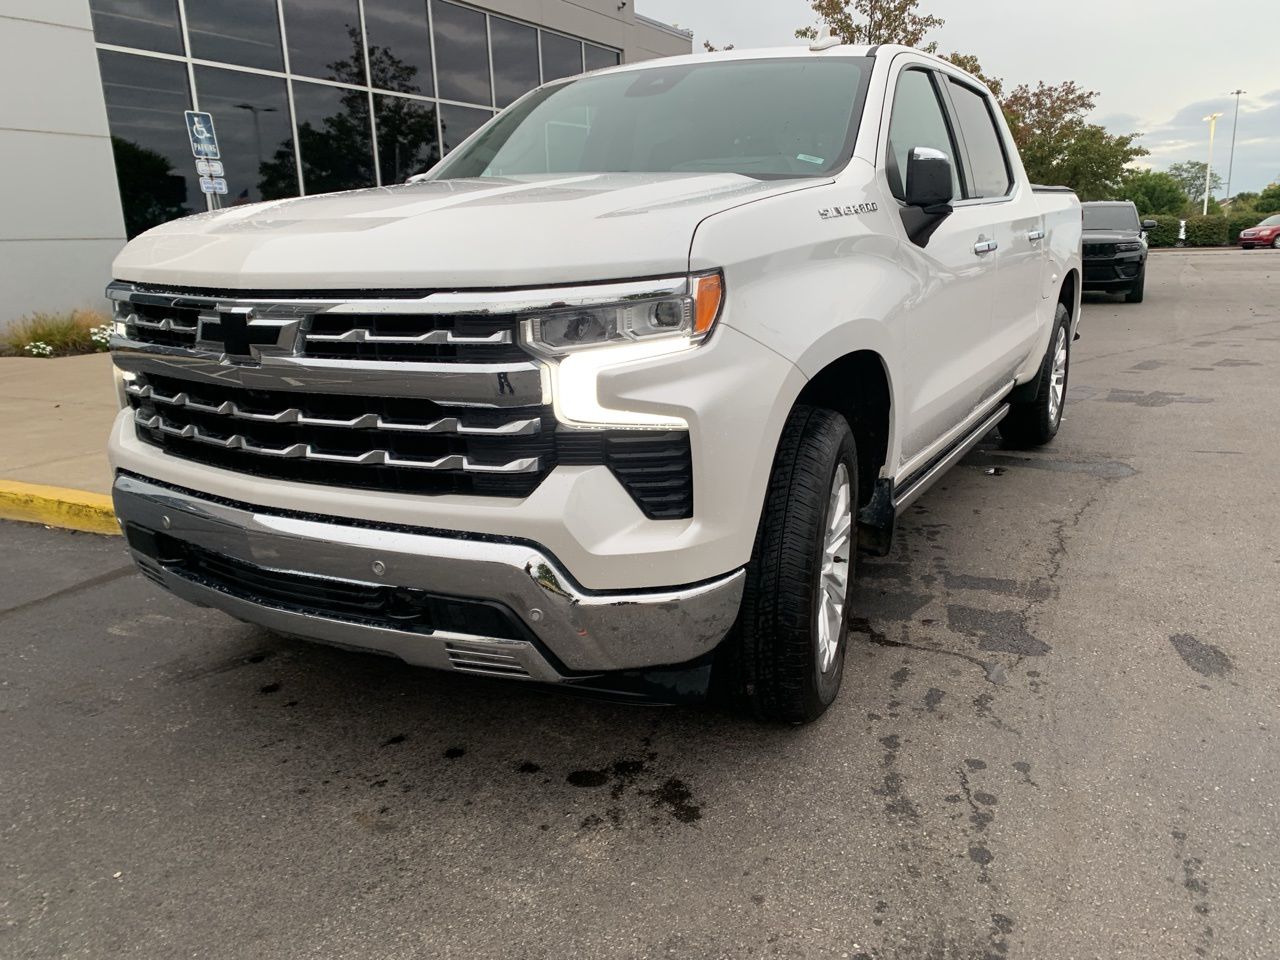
x: 874, y: 21
x: 150, y: 192
x: 336, y: 154
x: 1059, y: 147
x: 969, y: 63
x: 708, y: 46
x: 1269, y: 200
x: 1190, y: 175
x: 1154, y: 192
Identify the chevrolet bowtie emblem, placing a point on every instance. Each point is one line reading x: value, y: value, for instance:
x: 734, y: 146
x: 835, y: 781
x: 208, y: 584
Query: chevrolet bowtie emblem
x: 243, y: 338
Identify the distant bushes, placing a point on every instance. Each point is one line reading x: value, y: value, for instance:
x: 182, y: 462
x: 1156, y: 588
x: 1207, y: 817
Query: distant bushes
x: 1166, y: 232
x: 56, y: 334
x: 1241, y: 221
x: 1208, y: 231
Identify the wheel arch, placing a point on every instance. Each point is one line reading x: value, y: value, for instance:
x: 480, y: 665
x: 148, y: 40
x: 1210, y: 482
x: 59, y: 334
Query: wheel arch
x: 857, y: 385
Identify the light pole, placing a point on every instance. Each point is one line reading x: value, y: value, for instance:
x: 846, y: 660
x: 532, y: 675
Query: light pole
x: 1232, y: 162
x: 1208, y: 170
x: 257, y: 128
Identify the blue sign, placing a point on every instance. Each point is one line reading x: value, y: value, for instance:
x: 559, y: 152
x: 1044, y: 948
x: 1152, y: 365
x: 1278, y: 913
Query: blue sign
x: 204, y: 142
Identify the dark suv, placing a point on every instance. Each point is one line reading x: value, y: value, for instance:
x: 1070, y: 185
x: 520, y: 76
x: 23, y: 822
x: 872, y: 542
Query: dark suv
x: 1115, y: 248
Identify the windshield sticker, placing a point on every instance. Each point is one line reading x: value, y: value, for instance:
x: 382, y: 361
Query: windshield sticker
x: 808, y: 159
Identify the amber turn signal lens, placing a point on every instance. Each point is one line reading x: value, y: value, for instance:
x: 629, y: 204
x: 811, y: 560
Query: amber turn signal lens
x: 708, y: 295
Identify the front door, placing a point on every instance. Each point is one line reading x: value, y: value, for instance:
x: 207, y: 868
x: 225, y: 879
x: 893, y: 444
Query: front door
x: 944, y: 329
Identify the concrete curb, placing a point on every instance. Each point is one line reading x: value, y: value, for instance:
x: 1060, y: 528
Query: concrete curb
x: 57, y: 507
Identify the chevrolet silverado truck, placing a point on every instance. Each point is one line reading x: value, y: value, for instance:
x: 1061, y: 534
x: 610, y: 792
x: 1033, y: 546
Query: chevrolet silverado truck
x: 617, y: 390
x: 1114, y: 248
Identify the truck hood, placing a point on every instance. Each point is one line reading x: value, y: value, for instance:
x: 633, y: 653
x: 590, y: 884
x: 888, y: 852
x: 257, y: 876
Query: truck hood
x: 442, y: 234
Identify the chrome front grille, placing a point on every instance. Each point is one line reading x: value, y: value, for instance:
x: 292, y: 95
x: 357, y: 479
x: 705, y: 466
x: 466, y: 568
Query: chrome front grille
x: 403, y: 328
x: 371, y: 442
x: 401, y: 391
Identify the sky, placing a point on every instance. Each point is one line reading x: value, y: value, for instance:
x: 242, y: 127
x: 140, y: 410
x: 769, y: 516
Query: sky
x: 1158, y: 66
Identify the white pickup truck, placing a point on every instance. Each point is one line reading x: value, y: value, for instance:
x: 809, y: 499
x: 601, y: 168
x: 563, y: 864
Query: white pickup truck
x: 615, y: 393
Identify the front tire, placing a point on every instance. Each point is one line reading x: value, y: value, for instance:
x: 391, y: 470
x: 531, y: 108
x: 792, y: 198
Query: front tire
x: 1275, y: 244
x: 1136, y: 291
x: 793, y: 626
x: 1036, y: 421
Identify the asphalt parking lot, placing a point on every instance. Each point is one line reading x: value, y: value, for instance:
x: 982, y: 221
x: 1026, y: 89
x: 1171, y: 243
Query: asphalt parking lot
x: 1058, y: 736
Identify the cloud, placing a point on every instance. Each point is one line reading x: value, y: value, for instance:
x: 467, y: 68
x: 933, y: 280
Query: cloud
x: 1121, y: 123
x: 1185, y: 136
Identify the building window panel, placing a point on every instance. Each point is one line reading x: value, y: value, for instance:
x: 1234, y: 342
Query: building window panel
x: 145, y: 24
x: 407, y: 139
x: 399, y: 45
x: 251, y: 117
x: 462, y: 53
x: 324, y: 39
x: 561, y: 56
x: 460, y: 123
x: 600, y: 57
x: 243, y: 32
x: 333, y: 137
x: 156, y: 174
x: 515, y: 59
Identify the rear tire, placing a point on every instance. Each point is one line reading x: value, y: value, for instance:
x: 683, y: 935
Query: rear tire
x: 1035, y: 422
x: 793, y: 626
x: 1136, y: 291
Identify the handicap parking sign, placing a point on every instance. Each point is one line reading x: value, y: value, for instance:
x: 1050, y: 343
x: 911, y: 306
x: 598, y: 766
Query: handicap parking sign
x: 204, y: 142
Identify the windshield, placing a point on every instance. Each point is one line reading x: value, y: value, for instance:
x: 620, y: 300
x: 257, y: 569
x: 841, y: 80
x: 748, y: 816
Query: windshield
x: 1120, y: 217
x: 1271, y: 221
x: 791, y: 117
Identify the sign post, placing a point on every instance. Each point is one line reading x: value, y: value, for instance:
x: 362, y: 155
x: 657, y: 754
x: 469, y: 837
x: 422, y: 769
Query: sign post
x: 204, y: 147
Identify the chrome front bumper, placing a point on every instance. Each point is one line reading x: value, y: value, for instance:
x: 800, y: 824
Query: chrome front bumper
x: 571, y: 633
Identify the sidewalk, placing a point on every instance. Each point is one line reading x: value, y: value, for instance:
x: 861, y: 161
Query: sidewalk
x: 55, y: 415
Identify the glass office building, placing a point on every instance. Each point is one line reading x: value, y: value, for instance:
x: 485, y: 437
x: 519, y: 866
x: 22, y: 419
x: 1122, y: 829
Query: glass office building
x: 311, y: 96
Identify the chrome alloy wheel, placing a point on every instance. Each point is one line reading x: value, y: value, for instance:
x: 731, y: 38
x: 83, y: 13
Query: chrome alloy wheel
x: 1058, y: 378
x: 834, y: 579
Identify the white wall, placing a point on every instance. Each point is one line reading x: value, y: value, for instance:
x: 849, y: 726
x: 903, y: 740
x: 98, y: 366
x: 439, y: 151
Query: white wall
x: 60, y: 217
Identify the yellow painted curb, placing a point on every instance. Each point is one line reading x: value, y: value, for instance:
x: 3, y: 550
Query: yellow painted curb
x: 57, y: 507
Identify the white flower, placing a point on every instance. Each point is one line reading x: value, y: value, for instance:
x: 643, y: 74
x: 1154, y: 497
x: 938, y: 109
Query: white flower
x: 39, y: 349
x: 101, y: 334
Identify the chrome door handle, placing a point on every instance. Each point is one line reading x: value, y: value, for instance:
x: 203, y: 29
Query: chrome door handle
x: 1035, y: 234
x: 984, y: 246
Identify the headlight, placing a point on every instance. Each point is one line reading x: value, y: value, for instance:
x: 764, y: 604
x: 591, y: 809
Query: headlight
x: 687, y: 315
x: 1128, y: 246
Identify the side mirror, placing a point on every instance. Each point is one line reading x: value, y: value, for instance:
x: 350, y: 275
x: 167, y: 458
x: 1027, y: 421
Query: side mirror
x: 1149, y: 224
x: 929, y: 180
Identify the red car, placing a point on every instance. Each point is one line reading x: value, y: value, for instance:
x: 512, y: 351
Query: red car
x: 1265, y: 234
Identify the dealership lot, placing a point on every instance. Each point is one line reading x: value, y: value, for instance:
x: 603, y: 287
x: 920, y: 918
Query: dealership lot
x: 1057, y: 736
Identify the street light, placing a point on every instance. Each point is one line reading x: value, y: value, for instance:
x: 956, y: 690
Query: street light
x: 1232, y: 162
x: 257, y: 127
x: 1208, y: 170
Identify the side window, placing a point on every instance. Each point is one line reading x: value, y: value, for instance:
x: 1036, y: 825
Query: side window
x: 988, y: 166
x: 917, y: 120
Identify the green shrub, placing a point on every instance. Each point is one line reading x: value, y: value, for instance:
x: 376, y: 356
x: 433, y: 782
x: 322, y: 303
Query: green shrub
x: 1241, y: 221
x: 55, y: 334
x: 1207, y: 231
x: 1166, y: 232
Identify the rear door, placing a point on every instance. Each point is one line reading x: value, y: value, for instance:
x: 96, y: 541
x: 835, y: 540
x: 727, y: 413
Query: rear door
x: 944, y: 330
x: 1013, y: 218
